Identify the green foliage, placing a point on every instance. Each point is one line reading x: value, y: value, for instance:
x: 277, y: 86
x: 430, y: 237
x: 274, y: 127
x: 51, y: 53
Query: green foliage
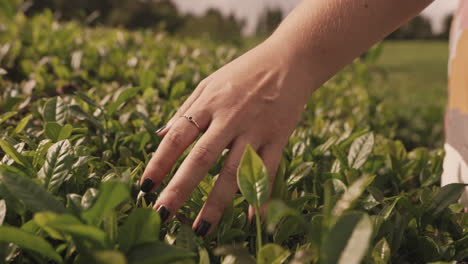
x: 79, y: 107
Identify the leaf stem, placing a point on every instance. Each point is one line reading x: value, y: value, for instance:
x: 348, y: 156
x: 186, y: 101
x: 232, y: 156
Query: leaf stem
x: 259, y: 229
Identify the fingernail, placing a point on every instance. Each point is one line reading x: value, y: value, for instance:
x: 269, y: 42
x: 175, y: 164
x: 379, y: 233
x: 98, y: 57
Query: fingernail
x: 202, y: 228
x: 160, y: 129
x: 147, y: 185
x: 163, y: 213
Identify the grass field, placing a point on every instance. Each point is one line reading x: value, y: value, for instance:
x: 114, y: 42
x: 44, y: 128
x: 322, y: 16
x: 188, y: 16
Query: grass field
x: 415, y: 79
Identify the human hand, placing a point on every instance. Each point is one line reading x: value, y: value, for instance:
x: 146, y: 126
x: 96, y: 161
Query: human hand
x: 256, y: 99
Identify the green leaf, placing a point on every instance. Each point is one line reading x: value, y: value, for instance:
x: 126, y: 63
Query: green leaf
x: 276, y: 211
x: 57, y: 165
x: 352, y: 194
x: 124, y: 96
x: 22, y: 124
x: 15, y: 155
x: 3, y: 211
x: 32, y: 194
x: 88, y: 100
x: 110, y: 195
x: 77, y: 111
x: 141, y: 226
x: 348, y: 241
x: 28, y: 241
x: 158, y: 252
x: 252, y: 178
x: 381, y: 252
x: 5, y: 116
x: 299, y: 173
x: 272, y: 254
x: 55, y: 110
x: 57, y: 132
x: 67, y: 224
x: 447, y: 195
x: 360, y: 150
x: 178, y: 90
x: 108, y: 257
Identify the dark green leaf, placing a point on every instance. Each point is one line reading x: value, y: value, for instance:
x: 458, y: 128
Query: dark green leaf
x: 28, y: 241
x: 32, y: 194
x: 158, y: 252
x: 141, y: 226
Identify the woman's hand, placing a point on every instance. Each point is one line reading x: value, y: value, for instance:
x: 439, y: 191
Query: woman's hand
x: 256, y: 99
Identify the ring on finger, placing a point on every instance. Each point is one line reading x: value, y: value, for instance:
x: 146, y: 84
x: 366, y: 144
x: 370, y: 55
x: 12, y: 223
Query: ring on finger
x: 190, y: 118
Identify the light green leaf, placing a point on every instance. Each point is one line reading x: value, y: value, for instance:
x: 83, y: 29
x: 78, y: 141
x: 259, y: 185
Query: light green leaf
x: 158, y: 252
x: 360, y: 150
x: 57, y: 132
x: 124, y: 96
x: 57, y: 165
x: 15, y: 155
x: 41, y: 152
x: 348, y: 241
x: 352, y: 194
x: 32, y: 194
x: 108, y: 257
x: 5, y: 116
x: 28, y: 241
x: 381, y: 252
x: 272, y: 254
x: 67, y: 224
x: 22, y: 124
x: 141, y: 226
x: 299, y: 173
x: 55, y: 110
x: 110, y: 195
x: 252, y: 178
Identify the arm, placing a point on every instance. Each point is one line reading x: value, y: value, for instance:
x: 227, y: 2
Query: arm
x: 324, y: 36
x: 258, y: 98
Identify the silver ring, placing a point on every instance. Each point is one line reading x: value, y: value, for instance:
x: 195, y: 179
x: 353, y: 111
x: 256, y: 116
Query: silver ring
x: 190, y: 118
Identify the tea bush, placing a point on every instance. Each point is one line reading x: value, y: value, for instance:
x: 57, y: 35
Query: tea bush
x: 79, y: 107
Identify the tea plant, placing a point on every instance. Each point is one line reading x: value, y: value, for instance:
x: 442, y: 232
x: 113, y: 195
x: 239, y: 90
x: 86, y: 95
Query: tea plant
x: 79, y: 107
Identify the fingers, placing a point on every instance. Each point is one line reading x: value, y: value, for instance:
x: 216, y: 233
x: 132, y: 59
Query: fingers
x: 271, y: 155
x: 179, y: 137
x: 195, y: 166
x: 223, y: 191
x: 183, y: 108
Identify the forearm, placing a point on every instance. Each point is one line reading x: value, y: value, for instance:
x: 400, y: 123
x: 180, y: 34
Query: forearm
x: 323, y: 36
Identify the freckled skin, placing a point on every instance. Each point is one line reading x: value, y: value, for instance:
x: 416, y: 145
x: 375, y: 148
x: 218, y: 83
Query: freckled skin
x: 258, y: 98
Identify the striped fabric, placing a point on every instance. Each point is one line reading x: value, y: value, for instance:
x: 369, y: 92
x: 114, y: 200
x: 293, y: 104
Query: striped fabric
x: 456, y: 117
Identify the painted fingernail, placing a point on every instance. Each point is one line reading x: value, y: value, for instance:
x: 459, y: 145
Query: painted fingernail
x: 160, y: 129
x: 147, y: 185
x: 163, y: 213
x: 202, y: 228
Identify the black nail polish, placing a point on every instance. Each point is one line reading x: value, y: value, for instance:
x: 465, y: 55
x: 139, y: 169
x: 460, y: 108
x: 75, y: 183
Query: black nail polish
x: 147, y: 185
x: 202, y: 228
x: 160, y: 129
x: 163, y: 213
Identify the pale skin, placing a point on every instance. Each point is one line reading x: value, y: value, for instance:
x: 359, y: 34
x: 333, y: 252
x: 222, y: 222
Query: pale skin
x: 258, y: 98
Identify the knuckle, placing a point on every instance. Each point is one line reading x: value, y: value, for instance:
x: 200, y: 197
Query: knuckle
x: 202, y: 155
x: 175, y: 137
x: 230, y: 172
